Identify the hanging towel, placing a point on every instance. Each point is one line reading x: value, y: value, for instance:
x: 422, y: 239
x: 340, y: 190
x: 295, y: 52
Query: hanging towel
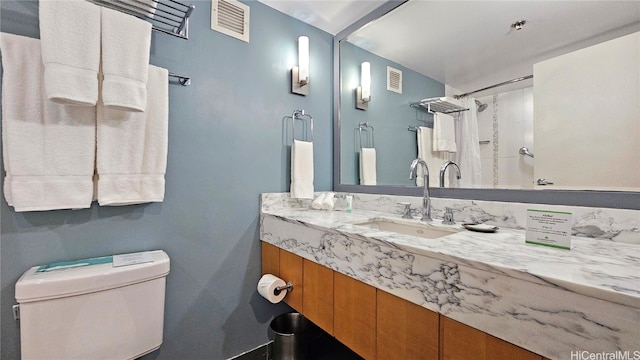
x: 70, y: 41
x: 302, y: 169
x: 48, y: 148
x: 368, y: 166
x: 444, y: 133
x: 131, y: 157
x: 126, y: 42
x: 434, y: 159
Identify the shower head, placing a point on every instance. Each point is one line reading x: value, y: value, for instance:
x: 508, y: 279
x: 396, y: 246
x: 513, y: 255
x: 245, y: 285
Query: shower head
x: 481, y: 106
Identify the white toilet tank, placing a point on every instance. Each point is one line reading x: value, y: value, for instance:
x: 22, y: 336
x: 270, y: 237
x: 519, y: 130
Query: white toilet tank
x: 93, y: 308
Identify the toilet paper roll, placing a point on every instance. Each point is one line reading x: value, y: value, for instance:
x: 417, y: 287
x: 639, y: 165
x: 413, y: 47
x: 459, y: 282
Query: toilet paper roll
x: 267, y: 288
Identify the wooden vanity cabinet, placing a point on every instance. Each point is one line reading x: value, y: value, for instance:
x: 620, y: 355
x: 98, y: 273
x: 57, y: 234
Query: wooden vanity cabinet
x: 312, y: 293
x: 460, y: 341
x: 287, y: 266
x: 270, y: 259
x: 405, y: 331
x: 291, y: 271
x: 317, y: 297
x: 376, y: 324
x: 354, y: 315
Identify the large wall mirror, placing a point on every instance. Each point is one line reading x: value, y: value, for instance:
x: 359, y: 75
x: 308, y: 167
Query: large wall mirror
x: 552, y: 112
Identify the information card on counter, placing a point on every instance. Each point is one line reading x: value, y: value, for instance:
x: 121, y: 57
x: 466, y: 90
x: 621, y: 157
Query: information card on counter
x: 549, y: 228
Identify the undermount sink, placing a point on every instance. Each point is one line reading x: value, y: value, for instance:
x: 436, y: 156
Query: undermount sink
x: 427, y: 231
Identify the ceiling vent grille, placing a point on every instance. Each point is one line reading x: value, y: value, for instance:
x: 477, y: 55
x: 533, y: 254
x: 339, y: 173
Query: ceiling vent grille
x: 394, y: 80
x: 230, y: 17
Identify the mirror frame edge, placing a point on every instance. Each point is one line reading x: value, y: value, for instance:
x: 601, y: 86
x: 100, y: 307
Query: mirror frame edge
x: 591, y: 198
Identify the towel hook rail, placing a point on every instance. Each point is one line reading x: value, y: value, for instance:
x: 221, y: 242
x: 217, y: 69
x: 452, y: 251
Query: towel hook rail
x: 308, y: 131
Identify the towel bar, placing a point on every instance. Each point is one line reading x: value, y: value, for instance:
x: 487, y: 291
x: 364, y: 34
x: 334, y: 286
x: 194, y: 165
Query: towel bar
x: 440, y: 104
x: 182, y: 79
x: 166, y: 16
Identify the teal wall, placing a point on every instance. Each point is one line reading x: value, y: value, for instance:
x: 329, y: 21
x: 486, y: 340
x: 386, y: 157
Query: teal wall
x: 389, y: 113
x: 225, y: 148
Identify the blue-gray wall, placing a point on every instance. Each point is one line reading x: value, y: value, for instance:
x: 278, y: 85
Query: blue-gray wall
x: 389, y: 113
x: 225, y: 148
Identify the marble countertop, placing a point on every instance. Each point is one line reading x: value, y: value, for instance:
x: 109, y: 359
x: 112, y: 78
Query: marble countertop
x: 599, y: 269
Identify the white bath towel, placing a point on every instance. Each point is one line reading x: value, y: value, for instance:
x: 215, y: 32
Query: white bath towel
x: 126, y: 42
x: 131, y: 157
x: 302, y: 169
x: 434, y: 159
x: 368, y: 173
x: 70, y: 41
x: 444, y: 133
x: 48, y: 148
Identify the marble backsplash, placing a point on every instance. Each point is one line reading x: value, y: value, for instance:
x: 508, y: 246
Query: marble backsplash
x: 618, y: 225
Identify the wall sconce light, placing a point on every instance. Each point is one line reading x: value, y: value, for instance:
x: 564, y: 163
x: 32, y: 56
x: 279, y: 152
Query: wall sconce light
x: 363, y: 92
x: 300, y: 73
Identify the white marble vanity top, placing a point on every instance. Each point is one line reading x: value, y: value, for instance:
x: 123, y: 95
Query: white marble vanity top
x: 600, y: 269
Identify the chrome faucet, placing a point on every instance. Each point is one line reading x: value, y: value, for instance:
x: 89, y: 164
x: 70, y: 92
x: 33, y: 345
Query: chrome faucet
x: 426, y: 201
x: 444, y: 168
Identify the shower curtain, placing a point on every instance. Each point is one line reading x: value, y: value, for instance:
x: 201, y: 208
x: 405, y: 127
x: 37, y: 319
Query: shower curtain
x: 468, y: 155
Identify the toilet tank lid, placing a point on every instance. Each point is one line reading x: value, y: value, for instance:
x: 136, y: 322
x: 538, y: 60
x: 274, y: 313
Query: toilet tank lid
x: 77, y: 277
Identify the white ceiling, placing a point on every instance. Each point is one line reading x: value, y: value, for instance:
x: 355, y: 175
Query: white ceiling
x: 331, y: 16
x: 469, y: 44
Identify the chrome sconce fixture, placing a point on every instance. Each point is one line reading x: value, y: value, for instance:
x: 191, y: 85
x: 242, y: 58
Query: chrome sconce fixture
x: 363, y: 92
x: 300, y: 73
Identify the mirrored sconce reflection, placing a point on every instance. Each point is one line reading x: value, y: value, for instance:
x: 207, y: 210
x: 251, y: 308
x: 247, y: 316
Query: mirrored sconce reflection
x: 363, y: 92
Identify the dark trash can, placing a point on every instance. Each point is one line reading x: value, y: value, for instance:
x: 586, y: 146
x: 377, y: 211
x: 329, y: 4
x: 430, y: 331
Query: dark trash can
x: 289, y: 336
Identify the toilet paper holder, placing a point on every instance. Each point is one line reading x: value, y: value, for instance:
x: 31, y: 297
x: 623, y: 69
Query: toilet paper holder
x: 279, y: 289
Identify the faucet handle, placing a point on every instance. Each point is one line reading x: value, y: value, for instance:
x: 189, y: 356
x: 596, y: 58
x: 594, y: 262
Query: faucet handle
x: 406, y: 212
x: 448, y: 216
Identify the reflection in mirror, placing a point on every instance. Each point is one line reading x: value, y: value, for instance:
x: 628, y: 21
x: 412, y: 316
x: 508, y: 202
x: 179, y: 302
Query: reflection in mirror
x: 580, y: 121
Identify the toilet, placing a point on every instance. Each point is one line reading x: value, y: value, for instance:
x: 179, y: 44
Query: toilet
x: 91, y: 309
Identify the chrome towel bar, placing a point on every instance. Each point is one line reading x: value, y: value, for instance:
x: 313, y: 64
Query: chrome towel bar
x: 166, y: 16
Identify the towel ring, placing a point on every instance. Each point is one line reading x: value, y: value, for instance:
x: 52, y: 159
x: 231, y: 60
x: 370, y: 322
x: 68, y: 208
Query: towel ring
x: 363, y: 126
x: 306, y: 131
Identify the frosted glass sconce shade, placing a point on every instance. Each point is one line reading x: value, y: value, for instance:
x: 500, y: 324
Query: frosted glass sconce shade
x: 363, y: 92
x: 300, y: 73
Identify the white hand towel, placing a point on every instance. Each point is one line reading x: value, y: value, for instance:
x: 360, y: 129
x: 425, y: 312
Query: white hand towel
x: 48, y: 148
x: 70, y: 41
x: 444, y: 133
x: 434, y: 159
x: 317, y: 202
x: 302, y: 169
x: 126, y: 42
x: 327, y: 201
x: 131, y: 154
x: 368, y: 175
